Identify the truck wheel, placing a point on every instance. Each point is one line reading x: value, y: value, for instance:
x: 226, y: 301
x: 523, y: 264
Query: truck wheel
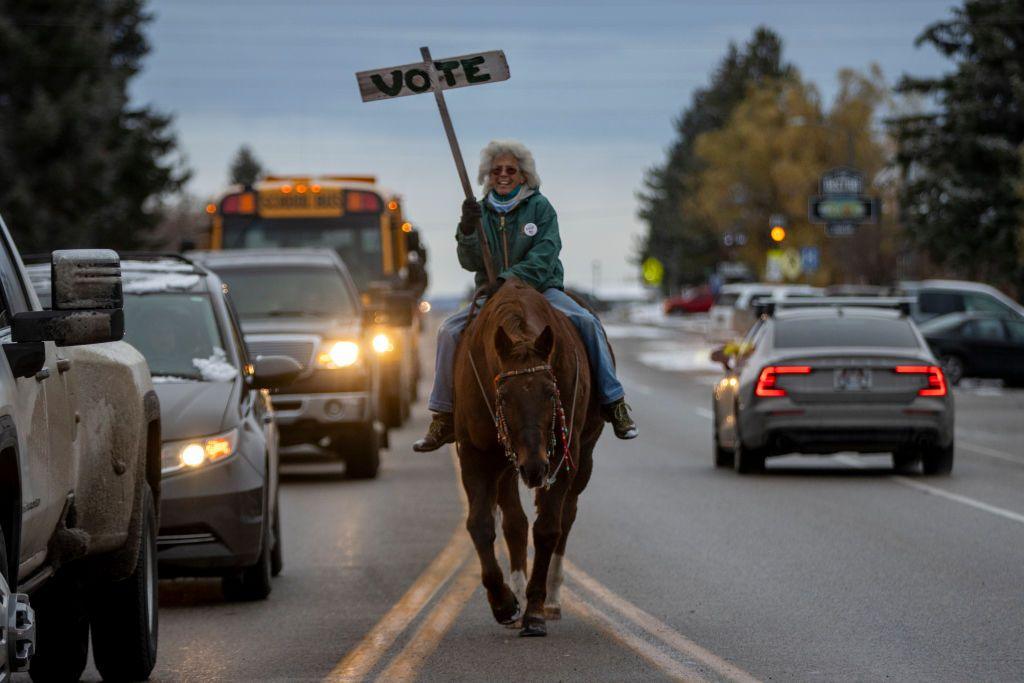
x: 125, y: 615
x: 252, y: 583
x: 362, y: 452
x: 62, y: 631
x: 17, y: 623
x: 937, y: 460
x: 277, y: 555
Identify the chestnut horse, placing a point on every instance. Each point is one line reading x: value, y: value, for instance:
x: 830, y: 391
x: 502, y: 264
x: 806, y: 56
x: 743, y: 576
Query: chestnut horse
x: 523, y: 389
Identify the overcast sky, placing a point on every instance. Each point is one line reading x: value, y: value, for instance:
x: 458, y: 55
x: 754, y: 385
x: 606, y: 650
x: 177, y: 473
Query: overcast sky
x: 594, y: 89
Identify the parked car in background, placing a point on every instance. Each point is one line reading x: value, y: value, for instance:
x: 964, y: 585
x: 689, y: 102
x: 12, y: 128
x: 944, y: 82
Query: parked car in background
x: 733, y: 310
x: 828, y: 375
x: 985, y: 345
x: 301, y: 303
x: 940, y: 297
x: 693, y: 300
x: 79, y: 475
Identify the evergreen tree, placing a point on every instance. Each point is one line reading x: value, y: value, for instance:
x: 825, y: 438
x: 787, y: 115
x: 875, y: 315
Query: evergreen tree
x: 962, y: 164
x: 688, y: 247
x: 245, y: 168
x: 79, y: 165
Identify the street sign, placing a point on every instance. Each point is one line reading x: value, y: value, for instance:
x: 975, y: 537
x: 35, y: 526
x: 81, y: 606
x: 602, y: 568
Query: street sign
x: 790, y: 264
x: 436, y: 77
x: 842, y: 181
x: 810, y: 259
x: 841, y: 229
x: 653, y: 271
x: 414, y: 79
x: 843, y: 209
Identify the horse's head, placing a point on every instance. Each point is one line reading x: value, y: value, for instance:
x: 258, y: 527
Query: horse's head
x: 525, y: 396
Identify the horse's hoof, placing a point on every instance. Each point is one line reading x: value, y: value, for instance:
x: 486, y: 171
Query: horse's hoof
x: 508, y: 614
x: 533, y: 627
x: 553, y: 612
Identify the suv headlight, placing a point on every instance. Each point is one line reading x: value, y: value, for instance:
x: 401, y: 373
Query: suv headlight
x: 382, y: 343
x: 337, y: 354
x: 192, y: 454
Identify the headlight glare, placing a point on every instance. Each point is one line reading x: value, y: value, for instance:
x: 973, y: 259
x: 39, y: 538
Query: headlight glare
x: 337, y: 354
x: 192, y: 454
x: 382, y: 343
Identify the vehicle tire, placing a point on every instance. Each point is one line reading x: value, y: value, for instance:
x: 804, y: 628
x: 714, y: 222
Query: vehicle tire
x: 252, y: 583
x: 904, y: 460
x: 953, y: 367
x: 748, y: 460
x: 125, y: 614
x: 277, y: 554
x: 723, y: 456
x: 362, y: 453
x: 62, y: 631
x: 937, y: 461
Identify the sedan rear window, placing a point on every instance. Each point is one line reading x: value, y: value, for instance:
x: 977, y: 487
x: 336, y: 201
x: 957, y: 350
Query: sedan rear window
x: 844, y: 332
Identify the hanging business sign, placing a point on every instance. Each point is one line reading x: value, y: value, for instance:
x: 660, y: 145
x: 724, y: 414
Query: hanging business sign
x: 842, y: 205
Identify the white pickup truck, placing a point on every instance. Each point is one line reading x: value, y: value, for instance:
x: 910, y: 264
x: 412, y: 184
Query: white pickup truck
x: 79, y: 475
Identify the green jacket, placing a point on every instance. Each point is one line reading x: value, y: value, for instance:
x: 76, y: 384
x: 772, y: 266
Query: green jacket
x: 531, y: 258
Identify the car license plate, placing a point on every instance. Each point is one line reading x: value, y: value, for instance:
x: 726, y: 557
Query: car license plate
x: 852, y: 379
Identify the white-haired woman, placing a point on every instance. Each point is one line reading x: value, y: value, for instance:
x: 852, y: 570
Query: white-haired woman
x: 522, y: 229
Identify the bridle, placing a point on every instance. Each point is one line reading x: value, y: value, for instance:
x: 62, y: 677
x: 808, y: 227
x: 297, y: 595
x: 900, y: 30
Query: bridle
x: 557, y: 416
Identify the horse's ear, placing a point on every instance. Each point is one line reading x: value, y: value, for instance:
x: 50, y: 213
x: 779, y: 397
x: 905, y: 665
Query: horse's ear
x: 544, y: 342
x: 502, y: 342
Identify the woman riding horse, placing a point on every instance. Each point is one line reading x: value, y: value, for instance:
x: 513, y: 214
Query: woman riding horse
x: 522, y: 228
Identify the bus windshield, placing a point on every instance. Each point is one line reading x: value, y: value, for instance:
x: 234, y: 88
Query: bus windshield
x: 355, y: 237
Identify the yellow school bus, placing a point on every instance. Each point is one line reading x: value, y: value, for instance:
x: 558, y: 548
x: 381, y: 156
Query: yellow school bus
x: 367, y: 227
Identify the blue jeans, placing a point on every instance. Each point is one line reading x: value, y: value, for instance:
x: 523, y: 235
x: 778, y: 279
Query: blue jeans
x: 601, y: 366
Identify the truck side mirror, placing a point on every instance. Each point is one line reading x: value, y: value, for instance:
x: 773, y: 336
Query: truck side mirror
x: 274, y: 372
x: 412, y: 240
x: 87, y: 301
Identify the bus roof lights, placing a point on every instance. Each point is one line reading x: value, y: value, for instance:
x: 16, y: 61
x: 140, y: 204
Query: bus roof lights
x: 286, y: 189
x: 361, y: 202
x: 393, y: 205
x: 301, y: 189
x: 230, y: 204
x: 314, y: 188
x: 406, y: 227
x: 211, y: 208
x: 247, y: 203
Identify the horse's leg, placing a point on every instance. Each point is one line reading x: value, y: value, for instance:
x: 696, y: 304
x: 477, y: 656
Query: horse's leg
x: 546, y: 531
x: 553, y: 601
x: 480, y: 483
x: 516, y: 528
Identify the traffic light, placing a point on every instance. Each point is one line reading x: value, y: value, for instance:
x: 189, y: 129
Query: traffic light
x: 778, y: 233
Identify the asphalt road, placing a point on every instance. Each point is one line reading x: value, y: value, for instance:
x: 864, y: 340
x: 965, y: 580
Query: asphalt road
x: 819, y: 569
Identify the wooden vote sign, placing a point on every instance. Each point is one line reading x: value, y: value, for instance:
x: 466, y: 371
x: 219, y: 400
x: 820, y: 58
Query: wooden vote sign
x: 414, y: 79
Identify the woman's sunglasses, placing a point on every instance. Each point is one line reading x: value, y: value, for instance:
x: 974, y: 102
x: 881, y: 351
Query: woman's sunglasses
x: 507, y: 170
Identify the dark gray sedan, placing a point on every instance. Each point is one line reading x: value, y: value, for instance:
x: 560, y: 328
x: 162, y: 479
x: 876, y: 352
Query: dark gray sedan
x: 830, y: 375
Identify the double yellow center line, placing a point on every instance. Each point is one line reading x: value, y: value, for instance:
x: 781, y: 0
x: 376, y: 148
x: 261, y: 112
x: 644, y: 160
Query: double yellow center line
x: 675, y: 655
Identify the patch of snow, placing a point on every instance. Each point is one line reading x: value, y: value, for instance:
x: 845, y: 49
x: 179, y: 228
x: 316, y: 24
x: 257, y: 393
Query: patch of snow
x: 675, y: 357
x: 161, y: 265
x: 216, y: 368
x: 168, y: 379
x: 636, y: 332
x: 158, y: 282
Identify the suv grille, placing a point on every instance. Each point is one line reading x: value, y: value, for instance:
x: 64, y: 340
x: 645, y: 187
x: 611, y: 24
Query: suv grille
x: 300, y: 350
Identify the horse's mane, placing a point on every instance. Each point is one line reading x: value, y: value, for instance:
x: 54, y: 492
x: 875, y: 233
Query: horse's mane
x: 509, y: 311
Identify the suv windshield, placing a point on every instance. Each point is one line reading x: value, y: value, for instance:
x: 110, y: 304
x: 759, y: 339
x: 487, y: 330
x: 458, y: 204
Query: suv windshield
x: 178, y: 335
x: 306, y: 292
x: 848, y: 331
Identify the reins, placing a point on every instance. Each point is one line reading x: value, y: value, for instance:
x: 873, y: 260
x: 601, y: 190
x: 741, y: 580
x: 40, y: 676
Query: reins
x: 557, y: 415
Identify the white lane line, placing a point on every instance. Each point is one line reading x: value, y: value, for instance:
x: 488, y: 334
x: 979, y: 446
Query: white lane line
x: 942, y: 493
x: 990, y: 452
x: 705, y: 413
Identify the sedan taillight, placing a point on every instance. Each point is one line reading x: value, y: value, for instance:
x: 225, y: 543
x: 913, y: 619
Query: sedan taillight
x: 767, y: 382
x: 936, y: 380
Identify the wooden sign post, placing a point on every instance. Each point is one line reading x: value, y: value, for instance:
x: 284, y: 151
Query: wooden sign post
x: 438, y: 76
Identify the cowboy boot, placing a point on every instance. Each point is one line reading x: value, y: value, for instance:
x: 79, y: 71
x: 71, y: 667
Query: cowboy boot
x: 440, y: 432
x: 617, y: 413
